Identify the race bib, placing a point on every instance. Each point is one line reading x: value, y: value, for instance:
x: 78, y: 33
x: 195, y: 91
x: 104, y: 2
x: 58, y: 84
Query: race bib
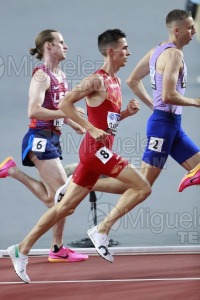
x: 58, y: 123
x: 152, y: 77
x: 113, y: 122
x: 155, y: 144
x: 39, y: 145
x: 184, y: 81
x: 104, y: 155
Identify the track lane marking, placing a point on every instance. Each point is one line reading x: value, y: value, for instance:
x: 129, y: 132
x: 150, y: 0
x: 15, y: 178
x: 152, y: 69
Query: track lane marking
x: 106, y: 280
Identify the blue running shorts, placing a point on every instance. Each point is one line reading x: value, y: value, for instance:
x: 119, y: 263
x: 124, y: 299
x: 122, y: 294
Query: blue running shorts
x: 45, y: 144
x: 165, y: 137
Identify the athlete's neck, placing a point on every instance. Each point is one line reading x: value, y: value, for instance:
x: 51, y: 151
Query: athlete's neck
x: 179, y: 46
x: 53, y: 67
x: 109, y: 70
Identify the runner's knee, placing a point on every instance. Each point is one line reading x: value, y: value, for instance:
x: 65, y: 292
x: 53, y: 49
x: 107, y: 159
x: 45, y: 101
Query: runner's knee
x: 145, y: 191
x: 49, y: 202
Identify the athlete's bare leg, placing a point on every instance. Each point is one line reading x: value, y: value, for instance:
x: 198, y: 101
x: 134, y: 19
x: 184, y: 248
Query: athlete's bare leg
x: 139, y: 189
x: 151, y: 173
x: 45, y: 188
x: 191, y: 162
x: 104, y: 184
x: 74, y: 195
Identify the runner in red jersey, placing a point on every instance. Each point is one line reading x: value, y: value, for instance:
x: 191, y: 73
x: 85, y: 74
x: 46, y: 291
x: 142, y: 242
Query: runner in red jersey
x: 96, y: 157
x: 103, y: 98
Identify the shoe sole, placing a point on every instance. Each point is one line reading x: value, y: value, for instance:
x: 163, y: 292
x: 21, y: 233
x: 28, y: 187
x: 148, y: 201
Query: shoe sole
x: 4, y: 169
x: 191, y: 181
x: 191, y: 176
x: 60, y: 260
x: 6, y: 160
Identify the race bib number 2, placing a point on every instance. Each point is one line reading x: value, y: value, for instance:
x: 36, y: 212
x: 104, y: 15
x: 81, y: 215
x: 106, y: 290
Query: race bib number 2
x: 39, y: 145
x: 104, y: 154
x: 155, y: 144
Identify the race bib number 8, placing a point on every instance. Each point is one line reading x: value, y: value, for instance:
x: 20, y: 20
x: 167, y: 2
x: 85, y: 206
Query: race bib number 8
x: 39, y: 145
x: 155, y: 144
x: 104, y: 155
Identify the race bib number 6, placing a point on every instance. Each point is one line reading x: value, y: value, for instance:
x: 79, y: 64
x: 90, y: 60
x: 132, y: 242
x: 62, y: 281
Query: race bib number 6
x: 104, y: 154
x: 39, y: 145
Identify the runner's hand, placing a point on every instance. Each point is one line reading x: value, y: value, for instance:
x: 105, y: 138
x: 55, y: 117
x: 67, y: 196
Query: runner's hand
x: 98, y: 134
x: 133, y: 107
x: 81, y: 111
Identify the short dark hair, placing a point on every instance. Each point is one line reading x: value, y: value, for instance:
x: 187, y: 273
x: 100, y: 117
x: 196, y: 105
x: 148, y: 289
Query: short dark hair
x: 177, y: 15
x: 109, y: 37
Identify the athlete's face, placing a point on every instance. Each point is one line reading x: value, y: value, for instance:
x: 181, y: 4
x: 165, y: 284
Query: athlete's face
x: 59, y: 48
x: 186, y: 30
x: 121, y: 52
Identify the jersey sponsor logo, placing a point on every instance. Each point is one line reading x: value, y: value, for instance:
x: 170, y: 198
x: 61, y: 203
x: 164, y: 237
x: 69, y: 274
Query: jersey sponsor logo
x: 114, y: 85
x: 56, y: 87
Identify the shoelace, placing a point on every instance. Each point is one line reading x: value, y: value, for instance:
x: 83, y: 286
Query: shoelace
x: 105, y: 240
x: 68, y: 250
x: 22, y: 263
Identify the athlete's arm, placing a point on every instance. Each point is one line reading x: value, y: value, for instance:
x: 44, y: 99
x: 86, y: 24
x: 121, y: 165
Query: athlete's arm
x: 74, y: 126
x: 172, y: 67
x: 132, y: 108
x: 134, y: 81
x: 40, y: 83
x: 89, y: 87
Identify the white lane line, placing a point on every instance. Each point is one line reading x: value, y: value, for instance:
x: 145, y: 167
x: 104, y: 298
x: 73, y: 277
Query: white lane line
x: 106, y: 280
